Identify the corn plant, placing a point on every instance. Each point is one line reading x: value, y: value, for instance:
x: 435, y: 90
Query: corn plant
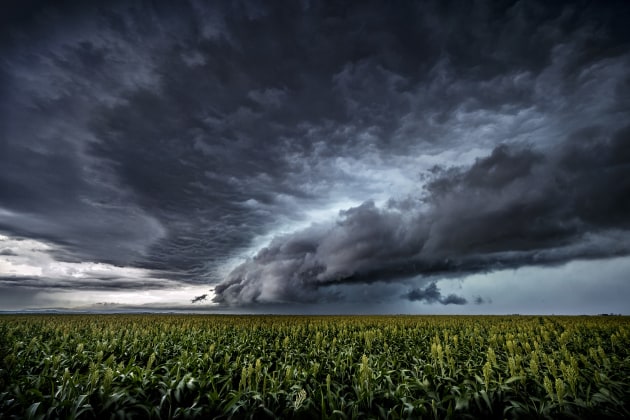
x: 326, y: 367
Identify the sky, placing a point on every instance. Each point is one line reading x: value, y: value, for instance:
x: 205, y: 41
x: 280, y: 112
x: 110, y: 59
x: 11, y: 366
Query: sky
x: 429, y: 157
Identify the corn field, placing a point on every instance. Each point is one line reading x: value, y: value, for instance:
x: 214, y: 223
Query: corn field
x: 328, y: 367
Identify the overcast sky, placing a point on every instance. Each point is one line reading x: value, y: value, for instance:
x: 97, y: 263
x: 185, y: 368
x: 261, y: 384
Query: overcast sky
x: 317, y: 157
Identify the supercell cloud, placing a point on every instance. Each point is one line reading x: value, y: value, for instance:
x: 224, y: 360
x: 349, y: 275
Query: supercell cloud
x: 308, y: 151
x: 512, y: 208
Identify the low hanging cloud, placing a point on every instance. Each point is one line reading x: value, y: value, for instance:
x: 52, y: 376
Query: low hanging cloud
x: 453, y: 299
x: 431, y: 294
x: 480, y: 300
x: 516, y: 207
x: 199, y: 298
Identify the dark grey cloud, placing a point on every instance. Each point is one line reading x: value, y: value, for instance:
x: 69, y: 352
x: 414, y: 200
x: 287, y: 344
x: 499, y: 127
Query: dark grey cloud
x: 513, y: 208
x: 199, y: 298
x: 172, y: 137
x: 480, y: 300
x: 431, y: 294
x: 453, y: 299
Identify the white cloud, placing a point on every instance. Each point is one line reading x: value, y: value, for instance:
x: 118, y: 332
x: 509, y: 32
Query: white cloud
x: 30, y: 263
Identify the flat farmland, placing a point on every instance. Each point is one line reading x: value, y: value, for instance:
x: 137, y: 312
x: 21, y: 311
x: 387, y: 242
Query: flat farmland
x: 319, y: 367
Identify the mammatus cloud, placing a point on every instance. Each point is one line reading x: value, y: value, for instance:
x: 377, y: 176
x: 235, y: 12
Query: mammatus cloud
x: 513, y: 208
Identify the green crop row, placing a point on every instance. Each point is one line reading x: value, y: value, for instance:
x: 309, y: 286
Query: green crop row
x: 190, y: 366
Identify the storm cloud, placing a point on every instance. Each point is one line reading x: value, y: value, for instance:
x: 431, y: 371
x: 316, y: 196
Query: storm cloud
x: 280, y: 153
x: 513, y: 208
x: 431, y: 294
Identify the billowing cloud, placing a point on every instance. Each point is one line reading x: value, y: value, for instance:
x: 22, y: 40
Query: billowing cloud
x: 512, y: 208
x: 431, y: 294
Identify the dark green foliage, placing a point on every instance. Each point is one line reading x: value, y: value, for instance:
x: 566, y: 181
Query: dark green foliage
x: 176, y: 366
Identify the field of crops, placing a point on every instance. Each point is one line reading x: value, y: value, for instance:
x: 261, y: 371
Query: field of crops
x: 182, y: 366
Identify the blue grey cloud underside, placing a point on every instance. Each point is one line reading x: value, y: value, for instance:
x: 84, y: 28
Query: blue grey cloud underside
x: 514, y: 208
